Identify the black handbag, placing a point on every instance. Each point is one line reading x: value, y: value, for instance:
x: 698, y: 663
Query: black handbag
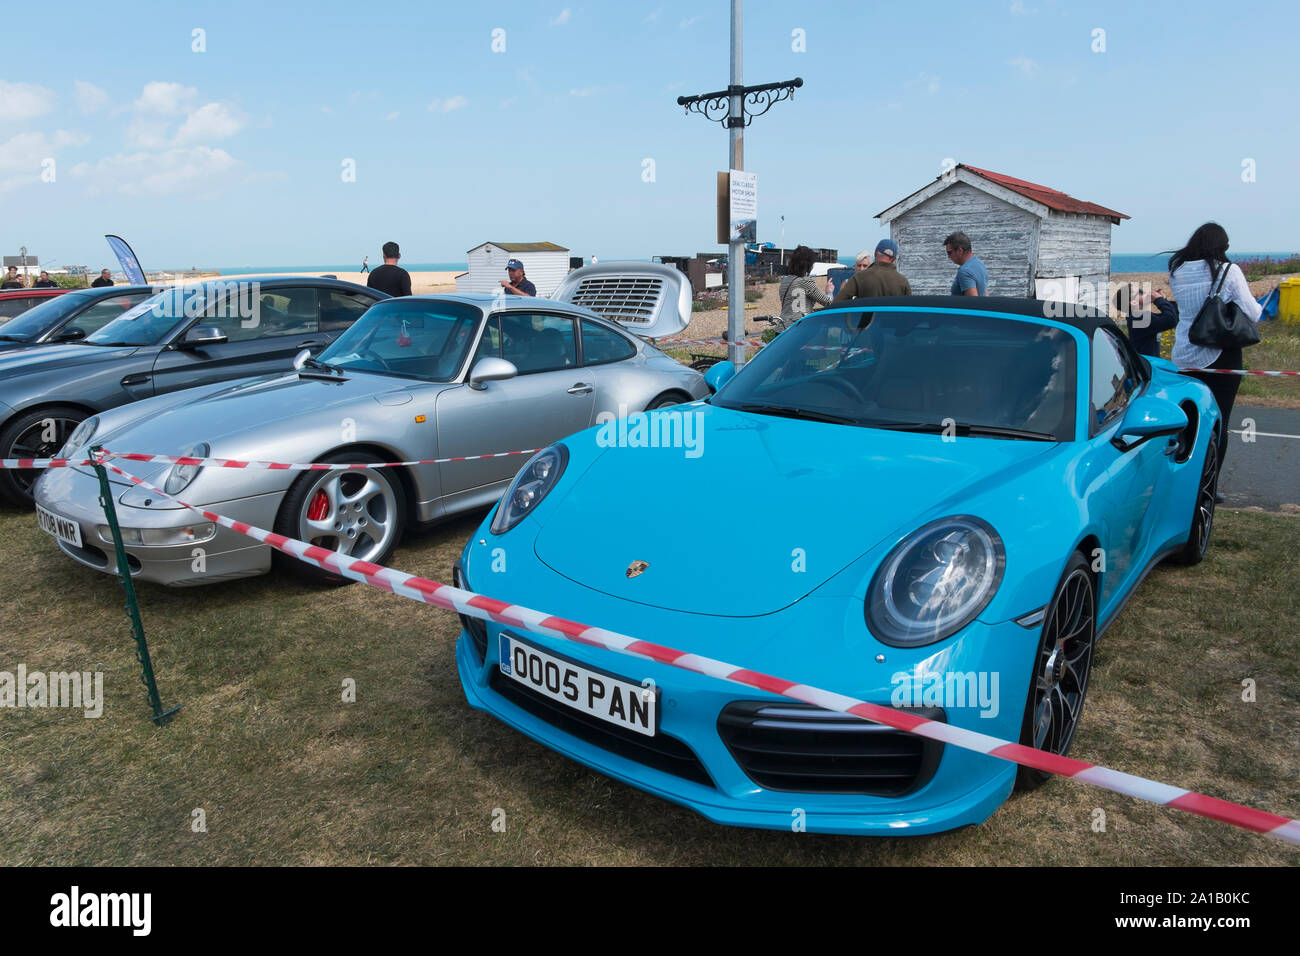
x: 1222, y: 325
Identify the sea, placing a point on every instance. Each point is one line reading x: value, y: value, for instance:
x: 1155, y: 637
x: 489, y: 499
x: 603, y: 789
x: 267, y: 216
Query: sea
x: 1119, y: 262
x: 334, y: 267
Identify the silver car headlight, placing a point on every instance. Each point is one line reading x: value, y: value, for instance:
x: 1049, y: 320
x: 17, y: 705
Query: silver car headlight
x: 533, y: 483
x: 80, y: 437
x: 179, y: 476
x: 935, y: 582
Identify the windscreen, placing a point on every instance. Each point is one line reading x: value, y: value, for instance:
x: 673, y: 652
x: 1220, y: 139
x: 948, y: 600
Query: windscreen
x: 918, y: 370
x: 415, y: 338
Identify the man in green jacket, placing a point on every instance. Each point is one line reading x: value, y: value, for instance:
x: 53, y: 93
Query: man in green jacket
x: 880, y: 278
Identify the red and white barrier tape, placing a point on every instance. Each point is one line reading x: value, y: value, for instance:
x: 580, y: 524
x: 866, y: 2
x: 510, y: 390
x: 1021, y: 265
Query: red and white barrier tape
x: 308, y: 466
x: 748, y: 343
x: 1235, y: 371
x: 25, y: 463
x: 489, y: 609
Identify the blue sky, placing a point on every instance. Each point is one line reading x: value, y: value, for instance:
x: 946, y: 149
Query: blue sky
x: 235, y: 155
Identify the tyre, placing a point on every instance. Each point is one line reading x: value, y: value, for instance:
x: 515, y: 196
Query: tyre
x: 1202, y: 523
x: 704, y: 364
x: 666, y: 400
x: 358, y: 513
x: 40, y: 433
x: 1062, y: 664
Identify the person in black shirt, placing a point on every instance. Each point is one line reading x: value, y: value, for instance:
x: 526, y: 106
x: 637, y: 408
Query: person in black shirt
x: 45, y: 282
x: 517, y: 284
x: 1146, y: 323
x: 12, y: 280
x: 105, y: 278
x: 390, y: 277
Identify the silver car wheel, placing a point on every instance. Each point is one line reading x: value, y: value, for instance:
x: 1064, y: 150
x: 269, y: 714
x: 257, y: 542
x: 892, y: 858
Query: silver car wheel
x: 351, y: 512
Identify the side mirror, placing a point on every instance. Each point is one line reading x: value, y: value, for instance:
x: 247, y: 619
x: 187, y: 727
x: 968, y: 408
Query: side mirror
x: 719, y: 375
x: 301, y: 358
x: 1148, y: 418
x: 70, y: 334
x: 490, y: 370
x: 201, y: 335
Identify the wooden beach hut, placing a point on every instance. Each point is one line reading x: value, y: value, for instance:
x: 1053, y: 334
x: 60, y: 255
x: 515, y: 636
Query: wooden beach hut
x: 1035, y: 241
x: 545, y: 263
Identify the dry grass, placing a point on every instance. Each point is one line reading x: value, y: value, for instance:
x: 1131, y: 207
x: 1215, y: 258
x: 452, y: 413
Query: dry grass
x: 289, y: 774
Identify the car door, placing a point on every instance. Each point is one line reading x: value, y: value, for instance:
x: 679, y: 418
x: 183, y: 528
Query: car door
x: 1132, y: 477
x: 551, y: 397
x: 284, y: 321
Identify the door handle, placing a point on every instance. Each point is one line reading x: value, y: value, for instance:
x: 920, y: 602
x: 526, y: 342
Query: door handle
x: 140, y: 378
x: 582, y: 388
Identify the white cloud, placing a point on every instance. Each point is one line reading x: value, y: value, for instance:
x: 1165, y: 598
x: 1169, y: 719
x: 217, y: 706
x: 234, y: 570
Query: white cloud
x: 585, y: 91
x: 21, y: 155
x: 90, y: 97
x: 165, y: 98
x: 199, y: 171
x: 561, y: 18
x: 1024, y: 64
x: 1018, y: 9
x: 688, y: 23
x: 653, y: 15
x: 208, y: 123
x: 147, y: 132
x: 927, y: 80
x: 391, y: 116
x: 447, y: 105
x: 22, y: 101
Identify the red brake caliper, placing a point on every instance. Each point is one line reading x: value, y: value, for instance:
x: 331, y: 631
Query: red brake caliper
x: 320, y: 507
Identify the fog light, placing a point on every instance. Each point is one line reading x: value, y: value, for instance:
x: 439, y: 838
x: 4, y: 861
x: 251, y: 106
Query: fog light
x: 161, y: 537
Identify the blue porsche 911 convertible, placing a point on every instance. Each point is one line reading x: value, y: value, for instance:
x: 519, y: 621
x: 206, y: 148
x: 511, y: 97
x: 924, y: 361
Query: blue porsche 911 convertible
x: 929, y: 503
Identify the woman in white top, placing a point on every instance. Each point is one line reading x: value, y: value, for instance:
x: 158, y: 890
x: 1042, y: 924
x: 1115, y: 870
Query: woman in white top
x: 1193, y: 271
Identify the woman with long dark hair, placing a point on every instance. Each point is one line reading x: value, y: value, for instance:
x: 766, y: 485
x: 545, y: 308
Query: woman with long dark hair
x: 1193, y: 271
x: 801, y: 294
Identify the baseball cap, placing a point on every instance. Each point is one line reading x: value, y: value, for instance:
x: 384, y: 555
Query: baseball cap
x: 514, y: 264
x: 889, y: 246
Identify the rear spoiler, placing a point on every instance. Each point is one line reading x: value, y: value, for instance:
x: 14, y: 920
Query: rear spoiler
x: 648, y: 298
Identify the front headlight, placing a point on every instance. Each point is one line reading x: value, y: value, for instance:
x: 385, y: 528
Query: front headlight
x: 80, y: 437
x: 179, y: 476
x: 533, y: 483
x: 935, y: 582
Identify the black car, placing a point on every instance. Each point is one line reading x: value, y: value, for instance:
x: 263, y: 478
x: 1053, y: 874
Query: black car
x: 177, y: 338
x: 67, y: 316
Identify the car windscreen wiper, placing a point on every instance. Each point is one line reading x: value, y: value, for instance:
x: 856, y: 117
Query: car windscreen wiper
x: 111, y: 345
x: 787, y: 411
x: 962, y: 429
x: 317, y: 363
x: 12, y: 338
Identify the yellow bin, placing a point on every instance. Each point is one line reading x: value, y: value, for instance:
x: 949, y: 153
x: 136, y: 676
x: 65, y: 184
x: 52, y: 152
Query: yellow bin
x: 1288, y: 301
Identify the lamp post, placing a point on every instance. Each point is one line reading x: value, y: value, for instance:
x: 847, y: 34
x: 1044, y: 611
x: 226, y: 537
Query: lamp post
x: 783, y: 242
x: 735, y: 108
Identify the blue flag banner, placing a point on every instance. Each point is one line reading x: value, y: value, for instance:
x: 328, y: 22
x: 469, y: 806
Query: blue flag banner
x: 130, y: 265
x: 1269, y: 304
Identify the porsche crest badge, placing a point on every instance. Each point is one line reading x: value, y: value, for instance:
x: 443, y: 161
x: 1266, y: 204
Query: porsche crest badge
x: 636, y: 567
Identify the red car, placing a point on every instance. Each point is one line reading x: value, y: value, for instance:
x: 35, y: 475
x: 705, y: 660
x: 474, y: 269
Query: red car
x: 17, y: 301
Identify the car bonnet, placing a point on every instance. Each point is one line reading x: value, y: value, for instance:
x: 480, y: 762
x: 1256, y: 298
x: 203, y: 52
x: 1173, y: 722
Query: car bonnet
x: 767, y: 511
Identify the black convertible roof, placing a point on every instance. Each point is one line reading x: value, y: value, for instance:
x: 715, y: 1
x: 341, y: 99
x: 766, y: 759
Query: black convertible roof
x: 1085, y: 319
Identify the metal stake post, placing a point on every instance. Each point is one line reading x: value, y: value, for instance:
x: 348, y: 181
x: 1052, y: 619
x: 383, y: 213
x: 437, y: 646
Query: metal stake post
x: 729, y: 107
x: 160, y: 717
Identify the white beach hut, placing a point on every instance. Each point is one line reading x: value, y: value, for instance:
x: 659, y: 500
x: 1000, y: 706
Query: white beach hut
x: 545, y: 264
x: 1035, y: 241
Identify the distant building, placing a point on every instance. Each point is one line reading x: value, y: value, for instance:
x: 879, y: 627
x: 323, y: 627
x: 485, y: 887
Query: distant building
x: 1036, y: 242
x: 545, y: 264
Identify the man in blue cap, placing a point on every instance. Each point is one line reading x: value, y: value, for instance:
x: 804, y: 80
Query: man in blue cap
x: 880, y: 278
x: 517, y: 284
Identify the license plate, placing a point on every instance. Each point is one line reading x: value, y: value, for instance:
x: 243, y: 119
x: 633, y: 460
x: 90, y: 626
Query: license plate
x: 65, y: 529
x: 619, y: 702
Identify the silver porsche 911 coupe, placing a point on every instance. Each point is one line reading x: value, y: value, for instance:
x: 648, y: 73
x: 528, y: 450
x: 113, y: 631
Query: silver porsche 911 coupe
x: 415, y: 378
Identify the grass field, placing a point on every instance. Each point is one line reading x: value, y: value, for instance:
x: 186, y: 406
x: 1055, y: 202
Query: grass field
x: 285, y: 772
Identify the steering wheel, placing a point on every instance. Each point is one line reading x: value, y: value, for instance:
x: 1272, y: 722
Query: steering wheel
x: 844, y: 385
x: 370, y: 355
